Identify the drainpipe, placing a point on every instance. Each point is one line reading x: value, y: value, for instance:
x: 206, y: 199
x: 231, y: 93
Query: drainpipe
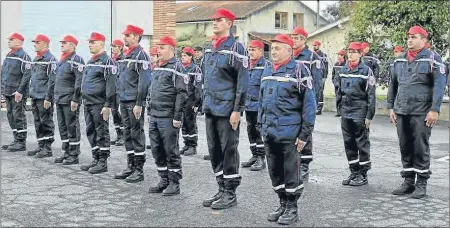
x: 317, y: 15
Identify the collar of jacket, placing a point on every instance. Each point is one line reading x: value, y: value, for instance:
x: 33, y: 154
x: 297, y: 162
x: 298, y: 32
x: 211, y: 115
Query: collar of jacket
x: 172, y: 61
x: 356, y: 70
x: 190, y: 67
x: 98, y: 57
x: 425, y: 53
x: 16, y: 52
x: 136, y: 50
x: 304, y: 52
x: 227, y: 44
x: 290, y: 65
x: 46, y: 55
x: 69, y: 57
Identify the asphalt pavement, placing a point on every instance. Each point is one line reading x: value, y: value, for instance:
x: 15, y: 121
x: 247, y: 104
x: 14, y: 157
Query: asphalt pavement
x: 37, y: 192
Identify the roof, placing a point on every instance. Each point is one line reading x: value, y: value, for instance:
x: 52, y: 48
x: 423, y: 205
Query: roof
x: 329, y: 26
x: 263, y: 37
x: 198, y: 11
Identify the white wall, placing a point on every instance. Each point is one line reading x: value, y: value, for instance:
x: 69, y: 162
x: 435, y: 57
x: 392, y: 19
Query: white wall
x: 138, y: 13
x: 9, y: 23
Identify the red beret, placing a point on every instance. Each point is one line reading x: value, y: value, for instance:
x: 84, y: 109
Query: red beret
x: 95, y: 36
x: 256, y: 43
x: 154, y: 51
x: 364, y: 45
x: 41, y: 37
x: 398, y: 49
x: 70, y: 38
x: 299, y: 31
x: 316, y: 42
x: 342, y: 52
x: 224, y: 13
x: 167, y: 40
x: 16, y: 36
x: 131, y: 29
x: 283, y: 38
x: 189, y: 50
x: 118, y: 43
x: 355, y: 46
x: 418, y: 30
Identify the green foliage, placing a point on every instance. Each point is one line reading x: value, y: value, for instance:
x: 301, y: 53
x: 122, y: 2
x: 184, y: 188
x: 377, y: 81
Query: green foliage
x: 192, y: 39
x: 338, y: 10
x: 385, y: 23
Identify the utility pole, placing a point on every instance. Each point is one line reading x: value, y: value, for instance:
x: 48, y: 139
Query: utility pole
x: 317, y: 15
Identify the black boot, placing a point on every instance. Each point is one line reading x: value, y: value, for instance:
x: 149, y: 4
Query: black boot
x: 191, y: 151
x: 172, y: 189
x: 421, y: 188
x: 16, y: 147
x: 37, y: 150
x: 119, y: 141
x: 102, y: 165
x: 259, y: 165
x: 274, y: 216
x: 359, y: 180
x: 65, y: 149
x: 185, y: 147
x: 227, y: 200
x: 407, y: 187
x: 290, y: 215
x: 319, y: 112
x: 5, y: 147
x: 46, y: 151
x: 163, y: 183
x: 95, y: 156
x: 206, y: 157
x: 304, y: 171
x: 129, y: 170
x: 250, y: 162
x: 353, y: 173
x: 138, y: 174
x: 217, y: 196
x: 148, y: 147
x: 73, y: 155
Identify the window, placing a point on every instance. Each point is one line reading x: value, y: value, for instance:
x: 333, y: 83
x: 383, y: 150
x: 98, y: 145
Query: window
x: 298, y: 20
x: 281, y: 20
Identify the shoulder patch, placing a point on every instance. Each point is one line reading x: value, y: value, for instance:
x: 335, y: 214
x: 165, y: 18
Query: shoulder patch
x: 114, y: 70
x: 28, y: 66
x: 186, y: 78
x: 80, y: 68
x: 442, y: 69
x: 53, y: 66
x: 145, y: 65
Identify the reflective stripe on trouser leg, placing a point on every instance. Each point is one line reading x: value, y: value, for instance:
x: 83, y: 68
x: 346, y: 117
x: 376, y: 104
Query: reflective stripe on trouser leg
x: 254, y: 134
x: 404, y: 132
x: 20, y: 120
x: 306, y: 154
x: 421, y: 146
x: 127, y: 113
x: 101, y: 128
x: 351, y: 148
x: 189, y: 129
x: 361, y: 134
x: 222, y: 146
x: 275, y: 165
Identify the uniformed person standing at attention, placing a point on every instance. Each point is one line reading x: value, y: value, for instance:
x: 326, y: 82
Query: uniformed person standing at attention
x: 167, y: 104
x: 257, y: 65
x: 356, y: 98
x: 302, y: 54
x: 225, y: 70
x: 415, y: 96
x: 194, y: 94
x: 154, y: 63
x: 287, y: 114
x: 42, y: 86
x: 117, y: 54
x: 324, y: 58
x: 16, y: 73
x: 98, y: 89
x: 198, y: 60
x: 370, y: 59
x: 133, y: 84
x: 67, y: 96
x: 337, y: 69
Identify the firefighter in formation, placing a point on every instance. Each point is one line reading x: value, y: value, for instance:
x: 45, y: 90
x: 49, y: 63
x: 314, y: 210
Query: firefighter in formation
x: 280, y: 98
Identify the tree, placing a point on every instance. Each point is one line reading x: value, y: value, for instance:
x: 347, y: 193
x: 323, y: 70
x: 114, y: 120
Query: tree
x: 338, y: 10
x: 192, y: 39
x: 385, y: 23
